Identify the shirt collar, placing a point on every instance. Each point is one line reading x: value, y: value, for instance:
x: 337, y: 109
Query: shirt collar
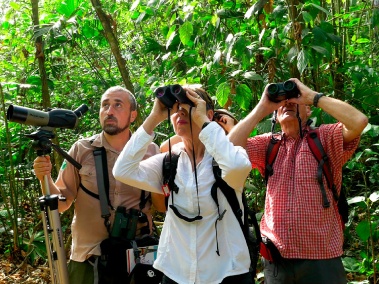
x: 101, y: 141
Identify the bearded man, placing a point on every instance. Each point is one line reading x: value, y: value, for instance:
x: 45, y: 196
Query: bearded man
x: 117, y: 111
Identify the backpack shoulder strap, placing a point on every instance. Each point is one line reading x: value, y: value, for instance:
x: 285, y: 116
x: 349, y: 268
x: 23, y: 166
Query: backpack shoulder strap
x: 229, y: 193
x: 103, y: 183
x: 170, y: 164
x: 318, y: 151
x: 272, y: 152
x: 169, y: 167
x: 249, y: 215
x: 231, y: 197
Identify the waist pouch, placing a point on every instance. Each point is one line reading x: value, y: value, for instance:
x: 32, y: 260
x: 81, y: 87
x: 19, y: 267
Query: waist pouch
x: 145, y: 274
x: 269, y: 251
x: 112, y: 265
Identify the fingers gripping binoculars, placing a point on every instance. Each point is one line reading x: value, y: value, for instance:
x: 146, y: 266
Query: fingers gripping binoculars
x: 171, y: 94
x: 278, y: 92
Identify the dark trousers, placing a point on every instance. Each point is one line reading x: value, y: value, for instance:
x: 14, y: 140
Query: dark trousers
x: 304, y: 271
x: 80, y: 272
x: 245, y: 278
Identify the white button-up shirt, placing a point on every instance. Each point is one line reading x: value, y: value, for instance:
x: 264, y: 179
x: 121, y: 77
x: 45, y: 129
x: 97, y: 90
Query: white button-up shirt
x: 187, y: 251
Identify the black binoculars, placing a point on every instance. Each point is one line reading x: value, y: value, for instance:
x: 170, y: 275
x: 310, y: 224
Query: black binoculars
x: 171, y: 94
x: 278, y: 92
x: 125, y: 223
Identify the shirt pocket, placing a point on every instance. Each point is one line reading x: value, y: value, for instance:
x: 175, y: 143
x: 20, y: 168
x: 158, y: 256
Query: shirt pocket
x: 88, y: 178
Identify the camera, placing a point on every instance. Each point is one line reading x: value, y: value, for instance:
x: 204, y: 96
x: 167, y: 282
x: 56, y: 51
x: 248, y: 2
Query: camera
x: 278, y: 92
x: 61, y: 118
x: 125, y: 223
x: 171, y: 94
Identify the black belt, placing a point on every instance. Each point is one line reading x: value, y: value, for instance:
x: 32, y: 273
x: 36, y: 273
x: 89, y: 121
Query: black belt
x: 92, y: 258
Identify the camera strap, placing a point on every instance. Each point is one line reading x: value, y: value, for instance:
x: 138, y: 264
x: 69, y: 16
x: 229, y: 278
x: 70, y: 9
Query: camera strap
x: 100, y: 156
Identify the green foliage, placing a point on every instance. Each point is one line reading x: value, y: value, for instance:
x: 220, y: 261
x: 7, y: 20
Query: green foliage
x: 232, y: 48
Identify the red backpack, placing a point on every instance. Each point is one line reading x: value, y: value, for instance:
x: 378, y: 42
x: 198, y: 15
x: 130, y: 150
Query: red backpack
x: 317, y: 149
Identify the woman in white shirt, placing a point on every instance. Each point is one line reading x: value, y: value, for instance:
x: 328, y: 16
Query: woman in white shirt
x: 197, y: 244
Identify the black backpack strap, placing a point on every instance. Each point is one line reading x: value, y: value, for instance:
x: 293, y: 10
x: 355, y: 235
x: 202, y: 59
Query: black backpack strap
x: 272, y: 152
x: 249, y: 215
x: 250, y: 218
x: 323, y: 165
x: 170, y: 165
x: 94, y: 195
x: 143, y: 200
x: 103, y: 183
x: 229, y: 193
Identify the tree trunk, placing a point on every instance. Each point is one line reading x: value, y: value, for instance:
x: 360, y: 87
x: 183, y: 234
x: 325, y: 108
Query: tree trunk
x: 296, y: 35
x: 40, y: 56
x: 113, y: 42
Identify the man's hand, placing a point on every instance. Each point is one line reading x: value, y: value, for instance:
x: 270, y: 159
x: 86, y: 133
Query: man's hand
x: 42, y: 166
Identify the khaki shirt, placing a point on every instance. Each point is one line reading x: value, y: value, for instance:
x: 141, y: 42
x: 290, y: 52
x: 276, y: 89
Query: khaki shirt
x: 88, y: 229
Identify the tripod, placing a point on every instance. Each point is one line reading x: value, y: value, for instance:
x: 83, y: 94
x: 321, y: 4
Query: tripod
x: 49, y: 209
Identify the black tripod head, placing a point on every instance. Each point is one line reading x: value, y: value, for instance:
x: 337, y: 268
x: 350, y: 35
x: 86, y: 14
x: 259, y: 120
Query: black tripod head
x: 41, y: 140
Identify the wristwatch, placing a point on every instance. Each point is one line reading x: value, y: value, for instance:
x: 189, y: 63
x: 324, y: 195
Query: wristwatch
x: 316, y: 98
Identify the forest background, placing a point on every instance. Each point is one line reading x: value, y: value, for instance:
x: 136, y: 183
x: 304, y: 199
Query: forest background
x: 61, y: 54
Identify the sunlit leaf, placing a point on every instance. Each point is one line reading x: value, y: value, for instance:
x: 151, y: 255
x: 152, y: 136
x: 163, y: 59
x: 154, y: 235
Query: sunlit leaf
x: 222, y: 93
x: 170, y: 39
x: 243, y: 96
x: 363, y: 40
x: 302, y: 61
x: 356, y: 199
x: 351, y: 264
x: 134, y: 5
x: 252, y: 76
x: 185, y: 32
x: 374, y: 196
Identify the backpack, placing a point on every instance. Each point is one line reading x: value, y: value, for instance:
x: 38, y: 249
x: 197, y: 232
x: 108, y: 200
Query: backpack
x: 318, y: 151
x: 249, y: 224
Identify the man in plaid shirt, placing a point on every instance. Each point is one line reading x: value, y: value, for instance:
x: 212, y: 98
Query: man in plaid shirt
x: 308, y: 236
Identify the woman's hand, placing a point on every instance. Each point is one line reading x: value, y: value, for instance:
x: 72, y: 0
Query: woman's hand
x: 199, y: 112
x: 159, y: 113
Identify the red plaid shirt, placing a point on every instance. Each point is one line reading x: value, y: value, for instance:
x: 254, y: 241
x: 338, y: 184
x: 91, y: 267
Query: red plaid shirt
x: 294, y: 218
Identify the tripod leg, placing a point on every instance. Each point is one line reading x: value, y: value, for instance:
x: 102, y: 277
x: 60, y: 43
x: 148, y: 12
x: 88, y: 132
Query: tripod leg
x: 48, y: 248
x: 51, y: 222
x: 58, y: 244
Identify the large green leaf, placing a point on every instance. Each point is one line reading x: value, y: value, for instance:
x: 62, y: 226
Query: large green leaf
x: 302, y: 61
x: 243, y: 96
x: 222, y: 93
x: 351, y: 264
x: 363, y: 230
x: 185, y: 33
x: 374, y: 196
x: 68, y: 7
